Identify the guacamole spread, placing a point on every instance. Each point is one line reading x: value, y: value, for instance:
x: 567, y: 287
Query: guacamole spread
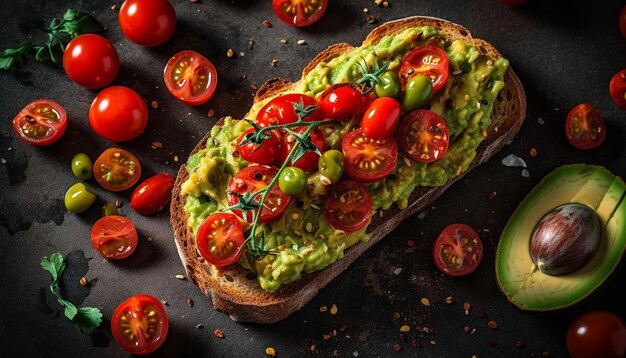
x: 302, y: 238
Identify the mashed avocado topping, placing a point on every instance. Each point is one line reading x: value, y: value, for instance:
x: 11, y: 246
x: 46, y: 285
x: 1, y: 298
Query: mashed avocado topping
x: 303, y: 239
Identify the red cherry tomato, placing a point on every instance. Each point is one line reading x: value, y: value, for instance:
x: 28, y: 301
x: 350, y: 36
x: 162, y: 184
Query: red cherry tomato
x: 252, y: 179
x: 114, y: 236
x: 584, y: 127
x: 307, y: 162
x: 299, y: 12
x: 513, y: 2
x: 147, y: 22
x: 424, y: 136
x: 341, y: 101
x: 153, y: 194
x: 118, y: 114
x: 190, y: 77
x: 91, y: 61
x: 348, y: 206
x: 40, y: 122
x: 220, y: 239
x: 265, y: 153
x: 617, y: 88
x: 381, y: 117
x: 139, y: 324
x: 280, y: 110
x: 116, y: 169
x: 366, y: 159
x: 597, y: 334
x: 622, y: 22
x: 428, y: 60
x: 458, y: 250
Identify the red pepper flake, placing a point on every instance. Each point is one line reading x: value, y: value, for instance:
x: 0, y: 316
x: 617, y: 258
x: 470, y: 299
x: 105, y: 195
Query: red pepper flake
x: 467, y: 307
x: 323, y: 308
x: 218, y: 333
x: 519, y: 344
x: 533, y: 152
x: 449, y: 300
x: 313, y: 347
x: 371, y: 20
x: 402, y: 337
x: 211, y: 112
x: 396, y: 315
x: 466, y: 329
x: 326, y: 337
x: 492, y: 324
x: 492, y: 343
x: 190, y: 302
x: 434, y: 331
x: 546, y: 355
x: 274, y: 63
x: 156, y: 144
x: 419, y: 329
x: 267, y: 24
x: 83, y: 281
x: 343, y: 327
x: 415, y: 343
x: 410, y: 243
x: 482, y: 315
x: 397, y: 347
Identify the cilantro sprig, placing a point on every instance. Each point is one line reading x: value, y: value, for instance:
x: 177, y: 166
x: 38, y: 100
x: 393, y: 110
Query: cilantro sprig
x: 86, y: 319
x: 60, y: 32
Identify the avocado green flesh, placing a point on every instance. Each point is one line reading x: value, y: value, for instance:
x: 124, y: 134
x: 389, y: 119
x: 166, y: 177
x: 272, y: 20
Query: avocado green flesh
x: 307, y: 242
x: 531, y: 289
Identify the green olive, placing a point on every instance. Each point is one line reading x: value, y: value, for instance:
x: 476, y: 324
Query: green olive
x: 388, y: 85
x: 330, y: 165
x: 292, y: 181
x: 109, y: 209
x: 78, y: 198
x: 82, y: 166
x: 416, y: 92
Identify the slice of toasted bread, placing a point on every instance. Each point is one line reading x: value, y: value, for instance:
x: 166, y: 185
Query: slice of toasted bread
x: 237, y: 292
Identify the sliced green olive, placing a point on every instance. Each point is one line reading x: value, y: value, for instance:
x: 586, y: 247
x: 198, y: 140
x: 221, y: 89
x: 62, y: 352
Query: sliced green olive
x: 388, y: 85
x: 416, y: 93
x: 109, y: 209
x: 78, y: 198
x: 292, y: 181
x: 330, y: 165
x: 82, y: 166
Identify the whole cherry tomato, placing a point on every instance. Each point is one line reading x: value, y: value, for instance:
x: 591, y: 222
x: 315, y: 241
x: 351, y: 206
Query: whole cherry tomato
x: 597, y: 334
x: 153, y: 194
x: 264, y: 153
x: 308, y: 162
x: 299, y: 12
x: 380, y: 118
x: 190, y: 77
x: 622, y: 22
x: 341, y: 101
x: 280, y: 110
x: 118, y: 114
x: 91, y: 61
x: 41, y: 122
x: 617, y: 88
x: 147, y: 22
x: 139, y: 324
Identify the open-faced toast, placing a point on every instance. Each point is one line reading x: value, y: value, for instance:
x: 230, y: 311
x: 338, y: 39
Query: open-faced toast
x: 235, y: 291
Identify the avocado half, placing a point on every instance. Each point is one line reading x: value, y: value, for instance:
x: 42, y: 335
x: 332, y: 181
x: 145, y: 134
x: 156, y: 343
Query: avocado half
x: 519, y: 279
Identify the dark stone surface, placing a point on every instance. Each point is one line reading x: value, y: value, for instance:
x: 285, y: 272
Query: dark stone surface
x: 562, y: 60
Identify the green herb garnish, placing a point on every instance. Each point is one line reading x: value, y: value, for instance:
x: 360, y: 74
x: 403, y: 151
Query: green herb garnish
x: 84, y: 318
x: 60, y: 32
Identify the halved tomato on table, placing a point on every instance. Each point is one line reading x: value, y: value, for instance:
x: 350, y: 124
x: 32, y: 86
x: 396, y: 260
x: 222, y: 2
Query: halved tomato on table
x: 458, y: 250
x: 41, y: 122
x: 220, y: 239
x: 139, y: 324
x: 116, y: 169
x: 584, y: 127
x: 617, y: 88
x: 348, y: 206
x: 280, y: 110
x: 114, y: 236
x: 428, y: 60
x: 424, y: 136
x: 299, y: 12
x: 366, y: 159
x: 252, y: 179
x: 190, y: 77
x: 308, y: 162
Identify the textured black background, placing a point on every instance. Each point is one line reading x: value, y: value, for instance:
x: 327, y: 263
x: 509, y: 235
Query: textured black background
x: 564, y: 53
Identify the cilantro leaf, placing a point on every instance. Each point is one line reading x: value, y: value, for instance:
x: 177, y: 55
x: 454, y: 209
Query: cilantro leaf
x: 55, y: 265
x: 87, y: 318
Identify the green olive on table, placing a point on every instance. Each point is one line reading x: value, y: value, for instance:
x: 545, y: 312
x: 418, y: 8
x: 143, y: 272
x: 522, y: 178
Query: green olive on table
x: 78, y: 198
x: 330, y: 165
x: 82, y: 166
x: 388, y: 85
x: 292, y: 181
x: 416, y: 93
x: 109, y: 209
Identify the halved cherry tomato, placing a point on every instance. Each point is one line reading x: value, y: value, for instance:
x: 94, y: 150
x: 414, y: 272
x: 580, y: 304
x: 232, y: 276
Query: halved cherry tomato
x: 299, y: 12
x: 118, y: 114
x: 597, y: 334
x: 424, y: 135
x: 252, y: 179
x: 428, y: 60
x: 116, y: 169
x: 91, y: 61
x: 341, y: 101
x: 348, y: 206
x: 190, y: 77
x: 114, y: 236
x: 381, y: 117
x: 265, y: 153
x: 139, y: 324
x: 280, y: 110
x: 40, y: 122
x: 622, y: 22
x: 220, y: 239
x: 584, y: 127
x: 153, y: 194
x: 366, y: 159
x: 458, y: 250
x: 147, y: 22
x: 307, y: 162
x: 617, y: 87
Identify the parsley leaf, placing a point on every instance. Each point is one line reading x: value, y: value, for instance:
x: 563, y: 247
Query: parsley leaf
x: 84, y: 318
